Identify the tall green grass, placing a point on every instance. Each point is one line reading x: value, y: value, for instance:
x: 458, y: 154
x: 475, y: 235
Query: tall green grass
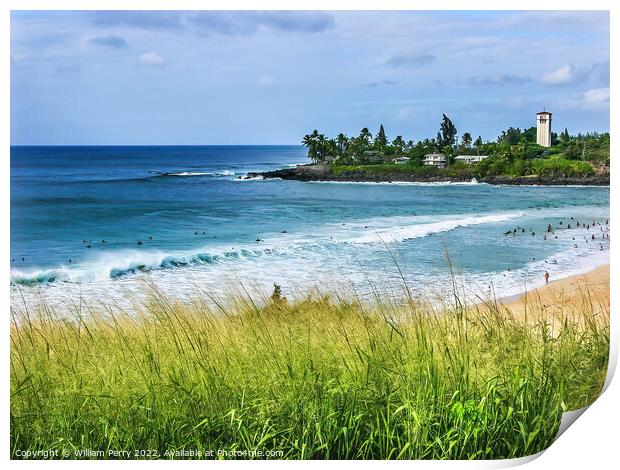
x: 313, y: 379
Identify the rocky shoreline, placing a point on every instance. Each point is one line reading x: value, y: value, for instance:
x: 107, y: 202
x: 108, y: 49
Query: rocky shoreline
x: 324, y: 173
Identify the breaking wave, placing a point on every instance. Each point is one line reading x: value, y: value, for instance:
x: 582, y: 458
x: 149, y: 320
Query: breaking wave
x: 334, y: 237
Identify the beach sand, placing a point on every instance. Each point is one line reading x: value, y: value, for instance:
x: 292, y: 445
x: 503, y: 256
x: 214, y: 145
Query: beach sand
x: 565, y: 298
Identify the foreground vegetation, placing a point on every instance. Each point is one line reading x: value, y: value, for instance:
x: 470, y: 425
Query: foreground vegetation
x: 550, y: 168
x: 317, y: 378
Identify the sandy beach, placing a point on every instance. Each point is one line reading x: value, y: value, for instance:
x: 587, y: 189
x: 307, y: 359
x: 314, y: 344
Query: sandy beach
x: 566, y: 297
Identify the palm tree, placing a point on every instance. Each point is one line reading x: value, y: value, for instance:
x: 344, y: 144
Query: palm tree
x: 399, y: 143
x: 478, y: 144
x: 341, y: 143
x: 365, y: 138
x: 309, y: 141
x: 321, y: 147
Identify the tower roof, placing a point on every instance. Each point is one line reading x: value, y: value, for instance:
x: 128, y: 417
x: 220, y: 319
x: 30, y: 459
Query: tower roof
x: 544, y: 112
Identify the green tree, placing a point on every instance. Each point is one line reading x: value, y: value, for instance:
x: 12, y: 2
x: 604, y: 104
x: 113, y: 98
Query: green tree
x: 331, y: 147
x: 448, y: 151
x: 342, y: 142
x: 399, y: 143
x: 310, y: 142
x: 511, y: 136
x: 381, y: 140
x: 321, y: 147
x: 365, y: 136
x: 478, y: 144
x: 466, y: 140
x: 447, y: 133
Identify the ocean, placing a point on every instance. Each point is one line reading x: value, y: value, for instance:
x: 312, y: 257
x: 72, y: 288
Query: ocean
x: 109, y: 222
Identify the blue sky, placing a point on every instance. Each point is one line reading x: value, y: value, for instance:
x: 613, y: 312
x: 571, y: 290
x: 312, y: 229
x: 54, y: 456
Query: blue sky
x: 169, y: 77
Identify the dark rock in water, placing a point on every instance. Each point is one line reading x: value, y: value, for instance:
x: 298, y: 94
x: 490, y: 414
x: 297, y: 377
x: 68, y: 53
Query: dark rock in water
x: 324, y: 173
x: 596, y: 180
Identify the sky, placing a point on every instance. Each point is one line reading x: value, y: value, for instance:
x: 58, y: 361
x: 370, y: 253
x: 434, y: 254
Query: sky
x: 270, y: 77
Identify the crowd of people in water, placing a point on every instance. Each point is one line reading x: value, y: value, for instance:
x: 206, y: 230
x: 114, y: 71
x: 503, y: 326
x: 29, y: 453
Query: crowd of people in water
x: 603, y: 231
x: 549, y: 232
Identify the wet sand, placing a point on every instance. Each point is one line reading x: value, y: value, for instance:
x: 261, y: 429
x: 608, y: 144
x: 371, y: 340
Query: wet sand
x: 566, y: 298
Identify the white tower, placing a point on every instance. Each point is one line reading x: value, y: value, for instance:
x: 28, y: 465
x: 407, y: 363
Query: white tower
x: 543, y: 129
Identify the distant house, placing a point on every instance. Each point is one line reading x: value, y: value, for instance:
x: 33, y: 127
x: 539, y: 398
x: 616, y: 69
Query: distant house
x: 401, y: 160
x: 435, y: 159
x: 329, y: 158
x: 470, y: 159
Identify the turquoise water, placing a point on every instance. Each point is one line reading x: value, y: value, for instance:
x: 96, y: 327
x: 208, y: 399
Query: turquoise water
x: 103, y: 219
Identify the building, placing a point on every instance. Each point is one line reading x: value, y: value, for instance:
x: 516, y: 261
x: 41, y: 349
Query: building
x: 435, y: 159
x: 401, y: 160
x: 329, y: 159
x: 470, y: 159
x: 543, y: 129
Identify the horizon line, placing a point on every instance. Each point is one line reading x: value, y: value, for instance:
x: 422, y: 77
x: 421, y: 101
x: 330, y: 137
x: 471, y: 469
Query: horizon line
x: 155, y: 145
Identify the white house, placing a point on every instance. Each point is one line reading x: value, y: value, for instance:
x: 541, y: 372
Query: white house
x: 470, y: 159
x: 401, y: 160
x: 435, y: 159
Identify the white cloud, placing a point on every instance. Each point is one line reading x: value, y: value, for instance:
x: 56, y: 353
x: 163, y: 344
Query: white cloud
x: 266, y: 81
x: 596, y: 96
x: 152, y: 58
x: 565, y: 75
x: 596, y: 74
x: 594, y: 99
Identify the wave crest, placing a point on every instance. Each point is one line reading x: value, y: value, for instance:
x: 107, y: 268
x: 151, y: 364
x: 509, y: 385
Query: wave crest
x: 122, y: 263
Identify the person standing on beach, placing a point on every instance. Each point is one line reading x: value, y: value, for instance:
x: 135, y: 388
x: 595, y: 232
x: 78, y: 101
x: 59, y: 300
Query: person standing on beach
x: 546, y: 277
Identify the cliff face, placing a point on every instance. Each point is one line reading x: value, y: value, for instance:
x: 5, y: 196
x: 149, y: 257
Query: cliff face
x: 323, y: 173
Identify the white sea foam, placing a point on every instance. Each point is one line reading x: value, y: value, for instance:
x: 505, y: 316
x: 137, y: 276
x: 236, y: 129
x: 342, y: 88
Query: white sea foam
x: 190, y: 173
x: 514, y: 282
x: 255, y: 178
x: 399, y: 233
x: 394, y: 229
x: 202, y: 173
x: 298, y: 260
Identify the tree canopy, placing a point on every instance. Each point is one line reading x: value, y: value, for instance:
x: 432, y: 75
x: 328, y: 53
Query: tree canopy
x: 514, y: 152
